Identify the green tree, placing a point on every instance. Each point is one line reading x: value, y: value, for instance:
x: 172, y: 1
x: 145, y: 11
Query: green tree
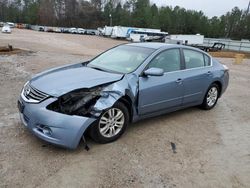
x: 141, y: 13
x: 137, y: 13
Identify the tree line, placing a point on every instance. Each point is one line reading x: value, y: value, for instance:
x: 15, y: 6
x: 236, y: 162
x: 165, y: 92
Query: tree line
x: 137, y: 13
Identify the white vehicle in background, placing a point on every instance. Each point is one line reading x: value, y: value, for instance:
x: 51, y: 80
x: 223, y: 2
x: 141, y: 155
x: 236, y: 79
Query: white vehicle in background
x: 6, y: 29
x: 100, y: 31
x: 107, y: 31
x: 81, y: 31
x: 57, y: 30
x: 12, y: 25
x: 121, y: 32
x: 92, y: 32
x: 146, y: 36
x: 73, y: 30
x: 185, y: 39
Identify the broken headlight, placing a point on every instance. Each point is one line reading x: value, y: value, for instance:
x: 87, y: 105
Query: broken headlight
x: 78, y: 102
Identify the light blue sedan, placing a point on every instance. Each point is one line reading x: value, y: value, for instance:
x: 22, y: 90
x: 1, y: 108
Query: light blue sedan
x: 122, y: 85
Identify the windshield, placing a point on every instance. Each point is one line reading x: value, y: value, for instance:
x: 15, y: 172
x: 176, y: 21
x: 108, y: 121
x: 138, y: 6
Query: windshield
x: 122, y: 59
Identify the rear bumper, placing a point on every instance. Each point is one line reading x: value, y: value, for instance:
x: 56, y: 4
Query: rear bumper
x: 56, y: 128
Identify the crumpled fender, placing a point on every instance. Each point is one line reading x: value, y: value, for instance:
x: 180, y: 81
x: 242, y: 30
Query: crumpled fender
x: 112, y: 93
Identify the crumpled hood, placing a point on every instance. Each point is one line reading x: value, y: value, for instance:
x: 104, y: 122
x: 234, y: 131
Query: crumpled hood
x: 57, y: 82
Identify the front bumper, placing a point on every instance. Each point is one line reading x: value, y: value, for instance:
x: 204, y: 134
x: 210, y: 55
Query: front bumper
x: 53, y: 127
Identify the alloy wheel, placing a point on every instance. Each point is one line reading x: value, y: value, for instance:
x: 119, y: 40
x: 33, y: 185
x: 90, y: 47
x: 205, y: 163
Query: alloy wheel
x: 212, y: 96
x: 111, y: 122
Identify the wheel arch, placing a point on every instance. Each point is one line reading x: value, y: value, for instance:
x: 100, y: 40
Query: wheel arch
x: 219, y: 84
x: 128, y: 103
x: 126, y: 100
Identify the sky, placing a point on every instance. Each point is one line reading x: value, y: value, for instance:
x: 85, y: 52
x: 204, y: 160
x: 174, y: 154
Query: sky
x: 209, y: 7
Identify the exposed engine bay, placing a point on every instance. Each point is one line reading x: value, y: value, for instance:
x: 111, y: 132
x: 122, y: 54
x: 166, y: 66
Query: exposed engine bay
x: 78, y: 102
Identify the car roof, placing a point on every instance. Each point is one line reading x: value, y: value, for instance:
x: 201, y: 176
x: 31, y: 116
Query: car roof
x: 154, y: 45
x: 158, y: 45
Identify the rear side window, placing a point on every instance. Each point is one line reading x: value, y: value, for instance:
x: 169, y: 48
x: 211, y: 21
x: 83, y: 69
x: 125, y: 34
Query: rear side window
x: 193, y: 59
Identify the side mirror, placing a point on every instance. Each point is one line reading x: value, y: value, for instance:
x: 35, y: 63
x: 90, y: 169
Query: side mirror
x: 154, y: 72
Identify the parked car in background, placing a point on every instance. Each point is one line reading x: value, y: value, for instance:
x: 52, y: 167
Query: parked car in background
x: 81, y: 31
x: 6, y: 29
x: 58, y: 30
x: 1, y: 24
x: 91, y: 32
x: 27, y: 26
x: 12, y: 25
x: 41, y: 28
x: 50, y: 30
x: 73, y: 30
x: 123, y: 85
x: 65, y: 30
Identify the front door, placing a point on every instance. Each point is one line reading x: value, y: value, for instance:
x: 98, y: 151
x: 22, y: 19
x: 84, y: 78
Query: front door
x: 158, y: 93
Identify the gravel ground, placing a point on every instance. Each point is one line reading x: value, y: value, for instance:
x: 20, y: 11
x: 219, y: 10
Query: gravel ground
x: 213, y: 147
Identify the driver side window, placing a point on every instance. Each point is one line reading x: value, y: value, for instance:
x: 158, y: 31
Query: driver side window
x: 168, y: 60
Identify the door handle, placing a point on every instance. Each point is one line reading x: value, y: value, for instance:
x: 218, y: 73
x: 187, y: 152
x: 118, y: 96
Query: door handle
x: 179, y: 81
x: 209, y: 73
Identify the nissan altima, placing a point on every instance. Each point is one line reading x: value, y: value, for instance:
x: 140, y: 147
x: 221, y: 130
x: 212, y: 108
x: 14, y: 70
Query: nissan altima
x: 125, y: 84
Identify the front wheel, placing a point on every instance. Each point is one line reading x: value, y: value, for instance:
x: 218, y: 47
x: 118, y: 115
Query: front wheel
x: 211, y: 97
x: 111, y: 124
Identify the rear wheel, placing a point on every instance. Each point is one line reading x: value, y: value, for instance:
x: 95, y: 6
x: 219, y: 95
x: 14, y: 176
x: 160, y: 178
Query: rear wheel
x: 211, y: 97
x: 111, y: 124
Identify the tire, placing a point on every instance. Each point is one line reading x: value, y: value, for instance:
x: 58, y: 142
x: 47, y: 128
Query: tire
x: 211, y: 97
x: 111, y: 124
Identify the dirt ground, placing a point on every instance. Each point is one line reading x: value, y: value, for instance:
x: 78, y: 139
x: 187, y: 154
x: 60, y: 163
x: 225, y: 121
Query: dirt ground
x: 213, y: 147
x: 230, y: 54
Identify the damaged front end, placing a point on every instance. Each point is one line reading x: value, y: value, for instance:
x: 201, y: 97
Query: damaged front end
x: 78, y: 102
x: 68, y: 116
x: 82, y: 102
x: 93, y: 101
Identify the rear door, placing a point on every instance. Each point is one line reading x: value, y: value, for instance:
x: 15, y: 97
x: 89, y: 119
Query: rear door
x: 196, y: 77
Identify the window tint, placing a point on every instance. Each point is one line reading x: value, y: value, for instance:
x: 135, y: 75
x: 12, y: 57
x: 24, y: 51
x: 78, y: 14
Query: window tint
x: 207, y: 60
x: 193, y: 59
x: 168, y: 60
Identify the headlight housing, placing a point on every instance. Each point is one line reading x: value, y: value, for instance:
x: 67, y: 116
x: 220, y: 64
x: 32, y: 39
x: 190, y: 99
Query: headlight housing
x: 78, y: 102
